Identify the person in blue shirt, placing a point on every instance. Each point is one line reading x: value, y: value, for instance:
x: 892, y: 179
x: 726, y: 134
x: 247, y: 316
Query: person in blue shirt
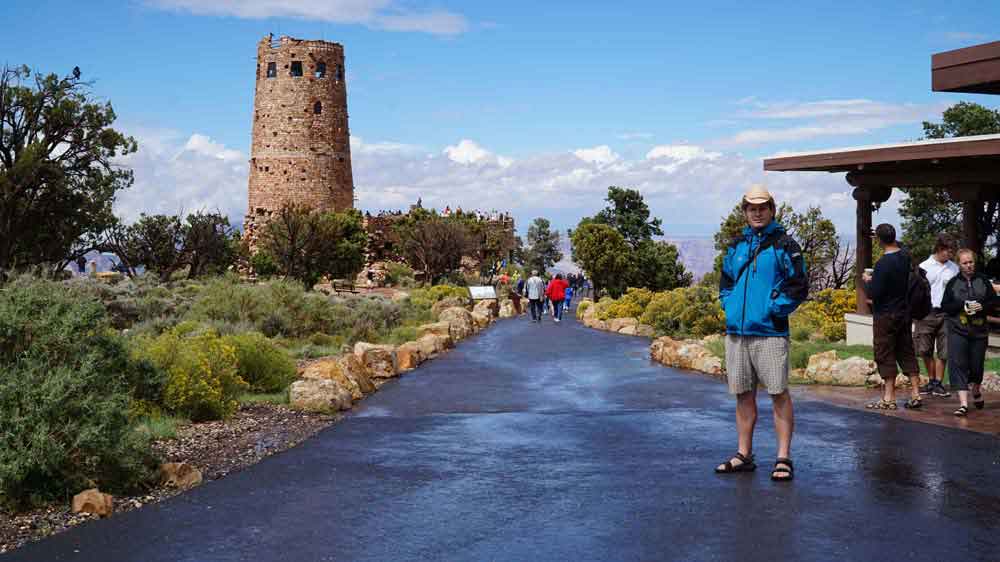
x: 569, y: 298
x: 763, y: 280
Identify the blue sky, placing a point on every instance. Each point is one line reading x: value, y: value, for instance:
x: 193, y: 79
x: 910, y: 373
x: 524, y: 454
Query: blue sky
x: 527, y: 106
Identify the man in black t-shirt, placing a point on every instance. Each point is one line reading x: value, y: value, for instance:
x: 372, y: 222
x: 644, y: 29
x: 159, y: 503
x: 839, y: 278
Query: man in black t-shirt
x: 893, y: 338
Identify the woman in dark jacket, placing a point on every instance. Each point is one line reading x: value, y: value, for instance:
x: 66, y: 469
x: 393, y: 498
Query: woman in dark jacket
x: 967, y: 298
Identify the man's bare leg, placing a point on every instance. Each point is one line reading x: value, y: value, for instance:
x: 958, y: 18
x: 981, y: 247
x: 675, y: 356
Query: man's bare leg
x: 746, y: 419
x: 784, y: 426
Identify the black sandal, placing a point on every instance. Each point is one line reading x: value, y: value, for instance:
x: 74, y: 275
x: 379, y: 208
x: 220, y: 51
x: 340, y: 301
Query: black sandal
x: 978, y: 401
x: 962, y: 411
x: 746, y: 464
x: 913, y: 404
x: 778, y: 471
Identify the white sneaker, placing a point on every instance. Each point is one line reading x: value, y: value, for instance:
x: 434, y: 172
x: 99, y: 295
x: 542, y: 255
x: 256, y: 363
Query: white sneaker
x: 556, y: 319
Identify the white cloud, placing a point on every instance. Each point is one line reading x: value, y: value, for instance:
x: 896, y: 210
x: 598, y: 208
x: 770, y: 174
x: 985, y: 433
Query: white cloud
x: 963, y: 36
x: 468, y: 152
x: 826, y: 118
x: 689, y: 187
x: 175, y: 174
x: 377, y: 14
x: 597, y: 155
x: 635, y: 136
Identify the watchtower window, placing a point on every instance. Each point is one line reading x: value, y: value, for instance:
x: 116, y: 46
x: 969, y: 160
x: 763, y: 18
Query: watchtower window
x: 318, y: 108
x: 320, y: 70
x: 340, y: 73
x: 296, y: 68
x: 272, y: 69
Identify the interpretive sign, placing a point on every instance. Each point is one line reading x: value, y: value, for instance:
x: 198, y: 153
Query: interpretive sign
x: 481, y: 293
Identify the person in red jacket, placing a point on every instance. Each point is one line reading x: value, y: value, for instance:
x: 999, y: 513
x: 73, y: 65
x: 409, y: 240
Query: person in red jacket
x: 556, y: 291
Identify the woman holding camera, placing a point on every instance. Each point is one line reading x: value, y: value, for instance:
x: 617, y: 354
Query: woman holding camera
x: 967, y: 298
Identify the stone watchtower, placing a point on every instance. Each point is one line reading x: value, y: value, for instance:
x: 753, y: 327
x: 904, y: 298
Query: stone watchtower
x: 300, y: 151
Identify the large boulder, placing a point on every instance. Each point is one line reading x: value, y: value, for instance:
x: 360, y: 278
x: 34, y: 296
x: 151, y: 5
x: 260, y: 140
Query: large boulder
x: 409, y: 356
x: 379, y: 360
x: 480, y: 321
x: 507, y: 309
x: 440, y: 328
x: 825, y: 368
x: 645, y: 330
x: 459, y: 321
x: 348, y: 374
x: 616, y: 324
x: 318, y: 395
x: 179, y: 475
x: 687, y: 354
x: 487, y: 307
x: 446, y: 303
x: 432, y: 344
x: 93, y: 501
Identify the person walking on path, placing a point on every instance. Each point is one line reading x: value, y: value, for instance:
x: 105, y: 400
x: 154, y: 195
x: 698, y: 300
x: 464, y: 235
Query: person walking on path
x: 556, y: 291
x: 535, y: 288
x: 967, y: 297
x: 569, y: 298
x: 887, y: 285
x: 931, y: 331
x: 517, y: 289
x: 763, y: 281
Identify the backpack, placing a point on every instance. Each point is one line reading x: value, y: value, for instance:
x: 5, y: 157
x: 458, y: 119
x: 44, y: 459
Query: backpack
x: 918, y: 293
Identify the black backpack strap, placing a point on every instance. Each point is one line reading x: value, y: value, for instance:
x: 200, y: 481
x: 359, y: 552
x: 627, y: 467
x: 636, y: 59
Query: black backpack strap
x: 767, y: 243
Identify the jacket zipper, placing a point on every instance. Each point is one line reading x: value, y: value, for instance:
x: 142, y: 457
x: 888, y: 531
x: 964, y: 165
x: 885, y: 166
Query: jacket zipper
x: 746, y: 284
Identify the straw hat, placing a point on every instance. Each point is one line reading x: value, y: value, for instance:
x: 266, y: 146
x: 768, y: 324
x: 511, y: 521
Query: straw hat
x: 757, y: 194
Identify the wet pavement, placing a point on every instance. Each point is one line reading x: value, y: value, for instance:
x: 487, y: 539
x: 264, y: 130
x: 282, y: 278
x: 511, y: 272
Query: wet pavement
x: 556, y: 442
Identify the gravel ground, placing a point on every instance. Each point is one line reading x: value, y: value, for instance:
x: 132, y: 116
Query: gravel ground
x: 215, y: 448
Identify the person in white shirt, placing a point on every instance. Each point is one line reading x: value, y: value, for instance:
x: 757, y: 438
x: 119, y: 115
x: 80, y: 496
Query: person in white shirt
x: 931, y: 332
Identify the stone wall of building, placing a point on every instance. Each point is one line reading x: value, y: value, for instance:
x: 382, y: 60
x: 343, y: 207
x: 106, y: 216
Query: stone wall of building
x: 300, y: 151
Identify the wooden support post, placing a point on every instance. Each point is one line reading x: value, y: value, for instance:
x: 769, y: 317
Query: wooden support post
x: 972, y: 207
x: 863, y: 253
x: 866, y: 197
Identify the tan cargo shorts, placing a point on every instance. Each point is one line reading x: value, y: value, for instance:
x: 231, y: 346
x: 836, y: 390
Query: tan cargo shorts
x: 931, y: 334
x: 757, y: 359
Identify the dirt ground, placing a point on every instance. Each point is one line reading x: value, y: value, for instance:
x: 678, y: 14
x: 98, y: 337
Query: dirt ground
x: 216, y: 448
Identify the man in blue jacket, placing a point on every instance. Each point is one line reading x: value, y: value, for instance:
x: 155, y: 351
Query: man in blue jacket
x: 763, y: 281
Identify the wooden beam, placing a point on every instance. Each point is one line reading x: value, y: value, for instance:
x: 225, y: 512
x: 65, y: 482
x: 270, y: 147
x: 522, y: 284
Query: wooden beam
x: 921, y: 154
x: 932, y: 176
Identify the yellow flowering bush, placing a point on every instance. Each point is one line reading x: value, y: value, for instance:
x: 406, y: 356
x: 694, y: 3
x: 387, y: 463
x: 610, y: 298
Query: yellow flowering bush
x: 630, y: 305
x: 689, y: 311
x: 824, y: 314
x: 203, y: 380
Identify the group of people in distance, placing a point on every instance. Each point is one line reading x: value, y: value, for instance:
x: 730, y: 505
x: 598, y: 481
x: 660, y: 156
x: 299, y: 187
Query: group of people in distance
x: 555, y: 295
x: 763, y: 280
x: 954, y: 334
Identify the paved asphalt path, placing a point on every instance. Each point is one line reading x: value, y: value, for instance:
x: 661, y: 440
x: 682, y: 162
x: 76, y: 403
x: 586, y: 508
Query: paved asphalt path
x: 556, y: 442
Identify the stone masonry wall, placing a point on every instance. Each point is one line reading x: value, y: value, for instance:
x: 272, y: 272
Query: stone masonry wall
x: 300, y: 151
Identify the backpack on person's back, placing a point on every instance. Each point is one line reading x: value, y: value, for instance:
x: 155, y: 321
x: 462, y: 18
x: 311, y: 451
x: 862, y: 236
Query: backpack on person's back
x: 918, y: 293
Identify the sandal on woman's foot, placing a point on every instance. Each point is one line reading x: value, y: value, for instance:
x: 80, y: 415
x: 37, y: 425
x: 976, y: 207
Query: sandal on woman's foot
x: 977, y: 399
x: 746, y: 464
x: 782, y: 473
x: 962, y: 411
x: 881, y: 405
x: 913, y: 404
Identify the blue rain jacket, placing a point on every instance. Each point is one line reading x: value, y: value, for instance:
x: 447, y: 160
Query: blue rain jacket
x: 758, y: 301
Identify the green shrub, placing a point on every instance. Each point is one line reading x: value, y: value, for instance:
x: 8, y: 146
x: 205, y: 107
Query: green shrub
x: 630, y: 305
x: 264, y: 264
x: 582, y: 307
x: 399, y: 275
x: 203, y: 381
x: 825, y: 313
x: 688, y: 311
x: 260, y: 363
x: 64, y: 397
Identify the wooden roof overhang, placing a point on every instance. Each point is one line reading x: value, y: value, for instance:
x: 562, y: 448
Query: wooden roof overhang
x: 974, y: 70
x: 931, y: 163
